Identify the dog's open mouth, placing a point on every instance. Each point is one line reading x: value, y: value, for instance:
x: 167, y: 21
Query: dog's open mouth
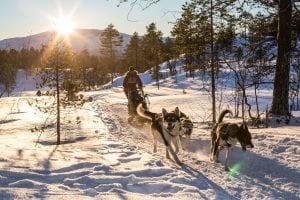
x: 171, y: 127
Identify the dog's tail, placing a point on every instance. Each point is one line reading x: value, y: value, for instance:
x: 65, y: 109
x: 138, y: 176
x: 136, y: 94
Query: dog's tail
x: 223, y: 113
x: 142, y: 112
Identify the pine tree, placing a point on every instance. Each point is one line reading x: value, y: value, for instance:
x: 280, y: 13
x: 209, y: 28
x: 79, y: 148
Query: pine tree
x: 152, y: 50
x: 57, y: 82
x: 196, y: 31
x: 280, y: 103
x: 186, y: 36
x: 169, y: 54
x: 110, y: 40
x: 84, y: 63
x: 7, y: 71
x: 132, y: 55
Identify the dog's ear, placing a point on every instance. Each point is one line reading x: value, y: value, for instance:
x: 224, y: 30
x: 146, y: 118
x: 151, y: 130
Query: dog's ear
x: 245, y: 125
x: 242, y: 125
x: 177, y: 112
x: 164, y: 112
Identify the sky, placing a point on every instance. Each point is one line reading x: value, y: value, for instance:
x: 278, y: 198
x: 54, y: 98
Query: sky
x: 26, y: 17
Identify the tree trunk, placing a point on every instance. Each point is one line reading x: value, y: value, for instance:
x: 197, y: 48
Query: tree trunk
x: 280, y: 104
x: 57, y: 104
x: 256, y: 100
x: 213, y: 84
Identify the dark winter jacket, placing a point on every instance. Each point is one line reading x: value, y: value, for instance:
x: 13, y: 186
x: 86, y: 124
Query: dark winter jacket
x: 132, y: 81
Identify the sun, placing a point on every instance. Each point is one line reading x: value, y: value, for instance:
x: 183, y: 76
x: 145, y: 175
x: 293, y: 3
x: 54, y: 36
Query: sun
x: 64, y: 26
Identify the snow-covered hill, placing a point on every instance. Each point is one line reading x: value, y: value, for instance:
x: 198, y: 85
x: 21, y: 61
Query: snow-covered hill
x: 81, y: 39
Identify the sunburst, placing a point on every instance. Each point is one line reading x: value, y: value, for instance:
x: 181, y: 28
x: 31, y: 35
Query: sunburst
x: 64, y: 26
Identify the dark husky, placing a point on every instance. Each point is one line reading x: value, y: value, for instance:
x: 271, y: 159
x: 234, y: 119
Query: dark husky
x: 226, y: 135
x: 167, y: 125
x: 185, y: 131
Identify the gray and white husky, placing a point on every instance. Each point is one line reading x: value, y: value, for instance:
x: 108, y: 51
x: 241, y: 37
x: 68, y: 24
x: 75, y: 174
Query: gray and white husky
x: 167, y: 125
x: 226, y: 135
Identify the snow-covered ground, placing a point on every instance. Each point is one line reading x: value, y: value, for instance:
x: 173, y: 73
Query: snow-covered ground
x: 103, y: 157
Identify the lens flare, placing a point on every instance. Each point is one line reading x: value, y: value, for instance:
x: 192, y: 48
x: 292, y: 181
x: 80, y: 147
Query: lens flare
x: 235, y: 169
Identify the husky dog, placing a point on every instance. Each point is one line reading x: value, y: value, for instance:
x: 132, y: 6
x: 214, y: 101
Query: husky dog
x: 226, y: 135
x: 185, y: 131
x: 167, y: 125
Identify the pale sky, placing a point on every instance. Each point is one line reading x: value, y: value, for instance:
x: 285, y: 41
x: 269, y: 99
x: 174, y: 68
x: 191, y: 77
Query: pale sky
x: 26, y: 17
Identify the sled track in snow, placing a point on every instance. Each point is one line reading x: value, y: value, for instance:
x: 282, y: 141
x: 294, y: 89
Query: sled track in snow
x: 119, y: 127
x: 264, y: 178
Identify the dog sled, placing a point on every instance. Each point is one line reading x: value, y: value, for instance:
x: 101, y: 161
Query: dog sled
x: 134, y: 99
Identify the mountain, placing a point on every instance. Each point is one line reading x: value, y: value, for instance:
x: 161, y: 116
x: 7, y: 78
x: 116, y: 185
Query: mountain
x: 81, y: 39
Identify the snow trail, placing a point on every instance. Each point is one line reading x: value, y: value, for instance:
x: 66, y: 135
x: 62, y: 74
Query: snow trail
x: 254, y: 174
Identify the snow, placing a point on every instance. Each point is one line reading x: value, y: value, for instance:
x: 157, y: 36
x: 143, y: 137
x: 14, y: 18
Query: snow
x: 104, y: 157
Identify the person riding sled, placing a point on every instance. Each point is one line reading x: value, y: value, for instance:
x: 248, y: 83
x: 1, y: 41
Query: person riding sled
x: 132, y: 83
